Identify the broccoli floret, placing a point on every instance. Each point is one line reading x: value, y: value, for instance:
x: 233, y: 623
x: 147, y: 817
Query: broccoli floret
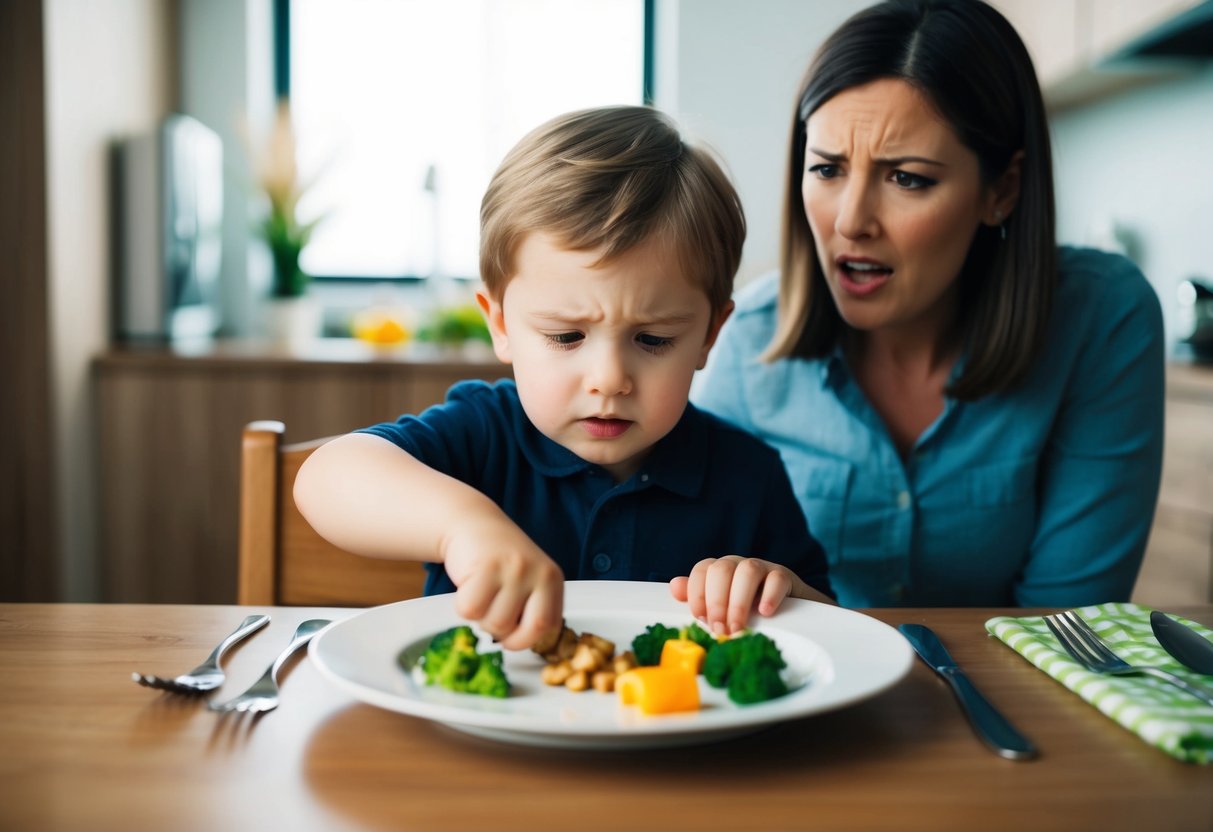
x: 756, y: 682
x: 700, y: 636
x: 748, y: 666
x: 647, y: 646
x: 718, y: 663
x: 489, y: 678
x: 452, y: 662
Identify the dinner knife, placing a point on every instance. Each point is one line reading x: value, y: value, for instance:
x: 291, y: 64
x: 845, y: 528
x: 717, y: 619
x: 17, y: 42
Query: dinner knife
x: 991, y: 726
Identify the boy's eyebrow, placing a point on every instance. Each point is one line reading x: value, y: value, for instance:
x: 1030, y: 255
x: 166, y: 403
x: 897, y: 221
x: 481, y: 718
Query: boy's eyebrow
x: 891, y: 162
x: 571, y: 318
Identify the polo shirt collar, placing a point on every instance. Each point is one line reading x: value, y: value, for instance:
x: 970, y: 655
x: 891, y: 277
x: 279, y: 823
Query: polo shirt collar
x: 678, y: 463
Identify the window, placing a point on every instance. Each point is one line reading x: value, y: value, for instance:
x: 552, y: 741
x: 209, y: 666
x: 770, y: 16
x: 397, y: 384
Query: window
x: 404, y: 108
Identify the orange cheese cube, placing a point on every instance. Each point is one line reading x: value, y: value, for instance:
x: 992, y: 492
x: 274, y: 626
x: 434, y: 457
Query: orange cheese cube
x: 660, y: 689
x: 682, y: 652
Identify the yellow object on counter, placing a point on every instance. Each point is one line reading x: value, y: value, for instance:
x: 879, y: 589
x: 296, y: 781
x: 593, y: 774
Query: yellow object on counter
x: 381, y: 327
x: 660, y: 689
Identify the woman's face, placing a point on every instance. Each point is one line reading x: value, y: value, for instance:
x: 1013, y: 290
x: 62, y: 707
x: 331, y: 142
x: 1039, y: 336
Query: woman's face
x: 893, y: 200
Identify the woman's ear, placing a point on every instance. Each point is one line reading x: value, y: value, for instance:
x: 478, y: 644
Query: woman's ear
x: 1003, y: 195
x: 495, y: 318
x: 713, y: 330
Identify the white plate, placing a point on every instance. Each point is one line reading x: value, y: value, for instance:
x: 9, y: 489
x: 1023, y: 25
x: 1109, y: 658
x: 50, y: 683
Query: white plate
x: 835, y: 657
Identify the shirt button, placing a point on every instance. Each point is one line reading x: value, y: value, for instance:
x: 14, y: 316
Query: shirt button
x: 903, y: 500
x: 644, y: 477
x: 601, y: 562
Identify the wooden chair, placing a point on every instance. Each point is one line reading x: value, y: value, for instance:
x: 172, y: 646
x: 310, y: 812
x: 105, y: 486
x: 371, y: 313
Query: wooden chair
x: 283, y: 561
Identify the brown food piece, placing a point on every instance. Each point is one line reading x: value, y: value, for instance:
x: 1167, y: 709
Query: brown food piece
x: 559, y: 647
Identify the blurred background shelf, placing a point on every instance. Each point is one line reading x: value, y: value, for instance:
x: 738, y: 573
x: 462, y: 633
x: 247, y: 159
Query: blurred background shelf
x: 168, y: 439
x: 1178, y: 568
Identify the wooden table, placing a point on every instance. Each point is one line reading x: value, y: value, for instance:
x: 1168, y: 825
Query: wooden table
x: 83, y: 747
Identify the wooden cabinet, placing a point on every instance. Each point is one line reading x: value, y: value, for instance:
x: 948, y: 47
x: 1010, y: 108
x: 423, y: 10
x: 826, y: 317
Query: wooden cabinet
x: 1067, y: 39
x: 1178, y: 568
x: 168, y: 439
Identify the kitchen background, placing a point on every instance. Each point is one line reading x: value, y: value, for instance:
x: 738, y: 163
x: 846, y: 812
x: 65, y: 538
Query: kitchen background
x: 1133, y: 157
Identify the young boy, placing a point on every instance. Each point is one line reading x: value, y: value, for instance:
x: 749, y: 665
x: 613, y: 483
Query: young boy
x: 608, y: 250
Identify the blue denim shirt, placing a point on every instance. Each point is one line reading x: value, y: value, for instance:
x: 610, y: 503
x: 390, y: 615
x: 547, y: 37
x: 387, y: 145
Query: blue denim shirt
x: 707, y: 489
x: 1041, y: 496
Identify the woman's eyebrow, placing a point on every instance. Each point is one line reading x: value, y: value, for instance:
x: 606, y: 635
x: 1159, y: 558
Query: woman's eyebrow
x: 889, y: 162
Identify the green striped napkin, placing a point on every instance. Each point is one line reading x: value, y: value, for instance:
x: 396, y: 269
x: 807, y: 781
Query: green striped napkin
x: 1159, y: 713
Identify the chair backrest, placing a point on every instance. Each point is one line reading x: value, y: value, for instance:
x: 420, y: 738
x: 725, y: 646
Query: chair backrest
x: 283, y: 561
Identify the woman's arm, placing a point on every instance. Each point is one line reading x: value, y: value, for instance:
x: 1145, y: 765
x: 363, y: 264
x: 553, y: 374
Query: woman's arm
x: 1103, y: 461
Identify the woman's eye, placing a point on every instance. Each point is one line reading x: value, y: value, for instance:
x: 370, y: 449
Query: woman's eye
x: 654, y: 343
x: 911, y: 181
x: 563, y: 339
x: 824, y: 170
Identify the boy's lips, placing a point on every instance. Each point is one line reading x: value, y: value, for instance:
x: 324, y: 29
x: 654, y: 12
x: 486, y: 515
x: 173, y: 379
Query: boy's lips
x: 605, y: 428
x: 861, y: 276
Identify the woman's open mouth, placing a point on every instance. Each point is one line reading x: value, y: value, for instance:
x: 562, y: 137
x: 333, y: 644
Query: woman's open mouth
x: 605, y: 428
x: 861, y: 276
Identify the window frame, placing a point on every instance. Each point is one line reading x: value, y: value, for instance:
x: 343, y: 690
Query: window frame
x: 282, y: 92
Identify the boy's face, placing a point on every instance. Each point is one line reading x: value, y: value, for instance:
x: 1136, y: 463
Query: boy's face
x: 603, y: 357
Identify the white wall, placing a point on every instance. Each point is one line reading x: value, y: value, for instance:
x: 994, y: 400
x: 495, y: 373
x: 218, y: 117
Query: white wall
x: 728, y: 71
x: 108, y: 73
x: 1143, y: 160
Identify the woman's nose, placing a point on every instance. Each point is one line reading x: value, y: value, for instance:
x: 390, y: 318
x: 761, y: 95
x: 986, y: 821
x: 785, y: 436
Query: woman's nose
x: 608, y: 373
x: 856, y: 216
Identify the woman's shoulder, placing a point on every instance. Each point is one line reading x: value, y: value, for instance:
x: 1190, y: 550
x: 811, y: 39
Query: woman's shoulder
x: 1104, y: 298
x: 1091, y: 275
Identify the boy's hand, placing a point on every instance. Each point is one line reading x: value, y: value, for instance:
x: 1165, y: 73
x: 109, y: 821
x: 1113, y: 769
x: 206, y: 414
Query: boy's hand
x: 504, y: 582
x: 722, y: 592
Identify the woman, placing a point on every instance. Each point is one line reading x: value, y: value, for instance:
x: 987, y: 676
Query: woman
x: 970, y: 415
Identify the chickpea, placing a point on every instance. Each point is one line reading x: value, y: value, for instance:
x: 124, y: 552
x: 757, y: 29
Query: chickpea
x: 587, y: 658
x: 603, y: 681
x: 556, y: 674
x: 578, y: 681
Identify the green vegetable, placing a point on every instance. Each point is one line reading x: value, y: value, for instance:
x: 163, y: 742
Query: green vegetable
x: 748, y: 666
x: 698, y: 635
x: 451, y: 661
x: 647, y: 646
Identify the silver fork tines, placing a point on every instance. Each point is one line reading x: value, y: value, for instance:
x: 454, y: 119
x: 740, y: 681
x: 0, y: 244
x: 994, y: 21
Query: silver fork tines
x: 263, y: 695
x: 1089, y: 650
x: 208, y: 675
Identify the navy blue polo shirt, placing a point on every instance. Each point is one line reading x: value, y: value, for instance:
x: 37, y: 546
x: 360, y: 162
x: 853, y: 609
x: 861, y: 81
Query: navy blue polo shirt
x: 707, y: 489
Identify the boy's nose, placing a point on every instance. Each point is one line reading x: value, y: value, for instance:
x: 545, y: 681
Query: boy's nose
x: 608, y: 375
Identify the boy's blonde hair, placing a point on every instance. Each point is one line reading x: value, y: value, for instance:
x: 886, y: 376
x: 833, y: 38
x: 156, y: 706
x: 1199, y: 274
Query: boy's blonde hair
x: 611, y: 178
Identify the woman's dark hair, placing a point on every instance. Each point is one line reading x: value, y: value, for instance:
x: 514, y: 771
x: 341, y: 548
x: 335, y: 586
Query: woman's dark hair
x: 968, y: 61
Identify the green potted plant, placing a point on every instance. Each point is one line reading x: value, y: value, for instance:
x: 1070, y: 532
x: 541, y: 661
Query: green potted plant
x: 290, y: 313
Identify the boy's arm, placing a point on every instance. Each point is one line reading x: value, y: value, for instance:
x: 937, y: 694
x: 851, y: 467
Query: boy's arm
x: 367, y: 495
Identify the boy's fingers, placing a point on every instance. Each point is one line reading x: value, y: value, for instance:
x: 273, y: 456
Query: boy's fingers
x: 502, y: 618
x: 474, y: 597
x: 695, y: 590
x: 775, y: 588
x: 542, y: 611
x: 747, y: 583
x: 678, y: 588
x: 717, y: 589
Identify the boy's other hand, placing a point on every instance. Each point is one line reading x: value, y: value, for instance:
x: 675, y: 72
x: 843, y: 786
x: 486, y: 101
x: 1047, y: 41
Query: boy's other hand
x: 504, y: 582
x: 722, y: 592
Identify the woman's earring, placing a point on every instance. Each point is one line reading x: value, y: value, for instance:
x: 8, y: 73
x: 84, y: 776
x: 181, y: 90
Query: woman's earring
x: 1002, y: 228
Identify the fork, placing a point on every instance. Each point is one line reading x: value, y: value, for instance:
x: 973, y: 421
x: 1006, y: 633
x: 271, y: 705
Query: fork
x: 208, y: 675
x: 263, y: 695
x: 1089, y: 650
